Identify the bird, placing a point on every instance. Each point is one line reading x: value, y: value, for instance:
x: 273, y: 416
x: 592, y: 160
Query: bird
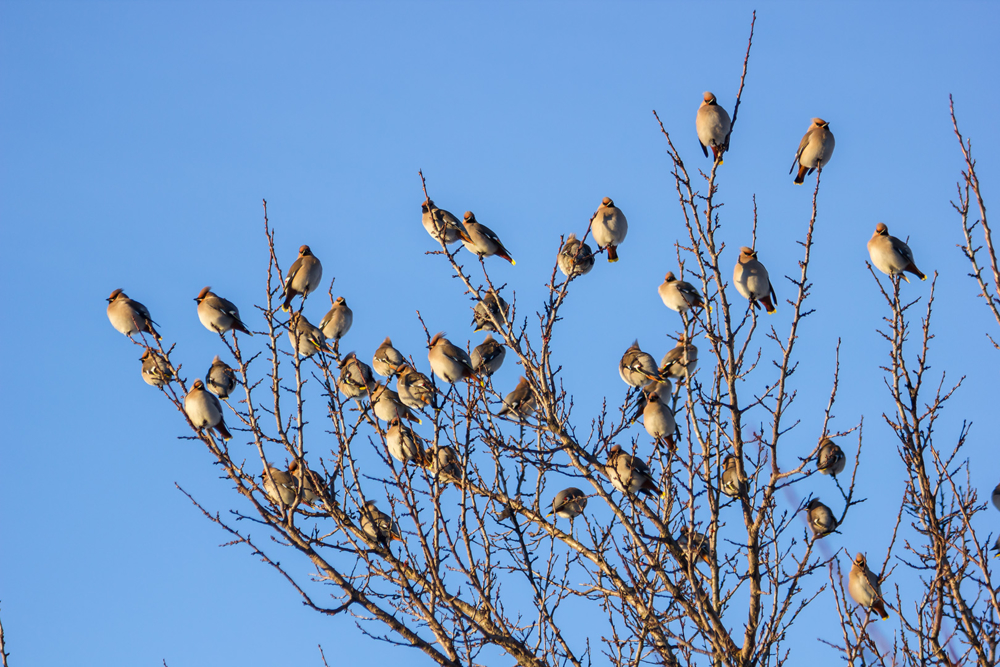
x: 679, y: 295
x: 378, y: 525
x: 128, y: 316
x: 204, y: 410
x: 403, y: 443
x: 445, y: 461
x: 731, y: 484
x: 306, y: 339
x: 220, y: 378
x: 658, y: 418
x: 609, y: 227
x: 387, y: 406
x: 156, y: 370
x: 355, y: 376
x: 282, y: 487
x: 217, y: 314
x: 481, y: 240
x: 695, y: 544
x: 487, y: 357
x: 996, y: 548
x: 575, y: 257
x: 680, y: 362
x: 278, y: 485
x: 831, y: 459
x: 439, y: 223
x: 996, y: 497
x: 312, y: 482
x: 890, y: 255
x: 713, y: 126
x: 815, y: 149
x: 492, y: 304
x: 448, y: 361
x: 864, y: 587
x: 569, y: 503
x: 337, y: 322
x: 387, y: 359
x: 303, y: 276
x: 821, y: 519
x: 521, y: 401
x: 637, y: 368
x: 414, y: 388
x: 629, y: 474
x: 752, y: 282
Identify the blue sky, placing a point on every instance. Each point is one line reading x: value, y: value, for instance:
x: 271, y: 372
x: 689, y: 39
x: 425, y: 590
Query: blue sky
x: 138, y: 139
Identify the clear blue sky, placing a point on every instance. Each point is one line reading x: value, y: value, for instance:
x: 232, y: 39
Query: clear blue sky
x: 138, y: 139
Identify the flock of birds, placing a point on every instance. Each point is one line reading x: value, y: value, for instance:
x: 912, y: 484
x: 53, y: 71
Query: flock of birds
x: 451, y: 364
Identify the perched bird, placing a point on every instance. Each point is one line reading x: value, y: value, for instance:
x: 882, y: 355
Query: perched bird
x: 303, y: 276
x: 128, y: 316
x: 355, y: 376
x: 481, y: 240
x: 637, y: 368
x: 156, y: 370
x: 695, y: 545
x: 679, y: 295
x: 821, y: 519
x: 680, y: 362
x: 204, y: 410
x: 569, y: 503
x: 220, y: 378
x: 731, y: 484
x: 403, y: 443
x: 448, y: 361
x: 815, y: 149
x: 492, y: 304
x: 663, y: 389
x: 282, y: 487
x: 279, y: 486
x: 337, y: 322
x: 387, y: 406
x: 414, y: 388
x: 750, y: 278
x: 609, y: 228
x: 306, y: 339
x: 521, y: 401
x: 996, y: 497
x: 831, y: 459
x: 378, y: 525
x: 440, y: 224
x: 713, y: 125
x: 312, y: 482
x: 445, y: 461
x: 218, y: 314
x: 488, y: 356
x: 575, y: 257
x: 864, y: 587
x: 658, y: 419
x: 387, y: 359
x: 629, y: 474
x: 890, y: 255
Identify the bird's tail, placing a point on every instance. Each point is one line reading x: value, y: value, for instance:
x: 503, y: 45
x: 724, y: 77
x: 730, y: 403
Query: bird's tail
x: 612, y: 253
x: 801, y: 178
x: 223, y: 431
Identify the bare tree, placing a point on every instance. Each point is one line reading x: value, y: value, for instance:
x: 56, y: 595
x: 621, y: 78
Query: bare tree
x: 448, y: 547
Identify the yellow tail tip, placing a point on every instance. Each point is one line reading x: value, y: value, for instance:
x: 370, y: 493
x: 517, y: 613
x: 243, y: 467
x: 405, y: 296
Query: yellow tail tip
x: 512, y: 262
x: 923, y: 277
x: 613, y: 260
x: 772, y: 311
x: 721, y: 163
